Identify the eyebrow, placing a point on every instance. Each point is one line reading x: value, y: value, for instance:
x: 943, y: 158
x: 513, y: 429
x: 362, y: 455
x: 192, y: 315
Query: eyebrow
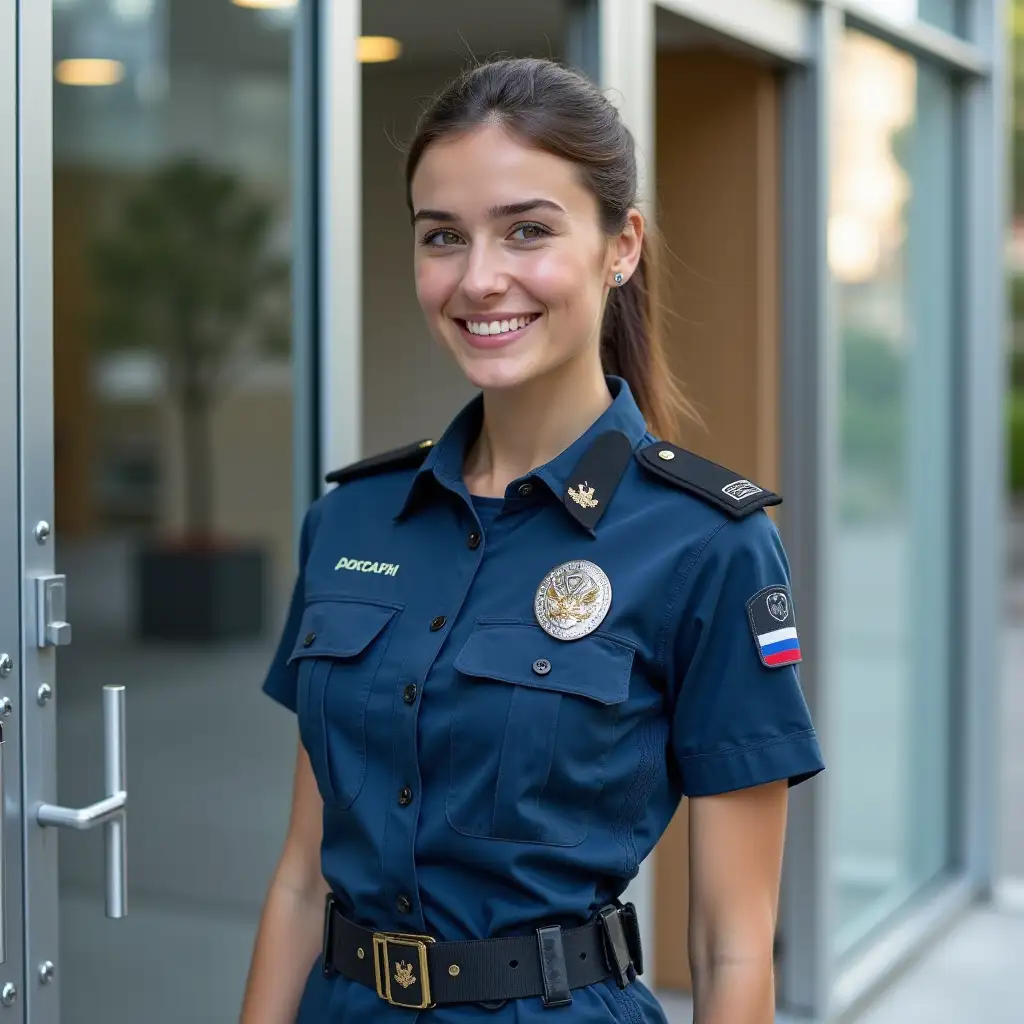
x: 495, y: 212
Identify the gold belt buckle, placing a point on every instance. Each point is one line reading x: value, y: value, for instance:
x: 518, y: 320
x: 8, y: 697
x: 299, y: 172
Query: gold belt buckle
x: 401, y: 960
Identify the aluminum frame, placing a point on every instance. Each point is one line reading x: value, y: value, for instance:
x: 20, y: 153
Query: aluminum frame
x: 339, y: 274
x: 13, y: 970
x: 41, y: 1002
x: 809, y: 439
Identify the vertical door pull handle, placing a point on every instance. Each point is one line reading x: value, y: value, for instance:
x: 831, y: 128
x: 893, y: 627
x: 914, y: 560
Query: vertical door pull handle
x: 111, y: 810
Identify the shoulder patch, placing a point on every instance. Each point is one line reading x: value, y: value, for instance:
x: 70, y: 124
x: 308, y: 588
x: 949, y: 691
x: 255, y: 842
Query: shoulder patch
x: 715, y: 484
x: 398, y: 458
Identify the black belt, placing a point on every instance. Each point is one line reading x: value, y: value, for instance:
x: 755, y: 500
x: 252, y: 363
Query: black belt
x: 418, y: 973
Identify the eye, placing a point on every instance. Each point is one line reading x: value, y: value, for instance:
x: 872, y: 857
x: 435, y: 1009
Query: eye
x: 441, y: 238
x: 529, y: 232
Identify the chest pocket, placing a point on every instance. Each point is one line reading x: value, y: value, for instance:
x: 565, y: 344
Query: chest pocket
x: 533, y: 727
x: 339, y: 648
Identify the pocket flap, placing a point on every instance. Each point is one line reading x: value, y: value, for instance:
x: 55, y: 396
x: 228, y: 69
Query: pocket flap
x: 339, y: 629
x: 595, y: 666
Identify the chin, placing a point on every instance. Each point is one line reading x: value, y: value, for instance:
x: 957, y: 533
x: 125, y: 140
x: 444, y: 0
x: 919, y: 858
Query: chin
x: 497, y: 374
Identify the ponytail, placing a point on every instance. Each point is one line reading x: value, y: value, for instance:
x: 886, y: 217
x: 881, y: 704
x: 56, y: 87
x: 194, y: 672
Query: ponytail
x: 632, y: 348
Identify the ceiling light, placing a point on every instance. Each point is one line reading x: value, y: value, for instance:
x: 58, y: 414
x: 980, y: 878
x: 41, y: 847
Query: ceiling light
x: 265, y: 5
x: 89, y: 71
x: 378, y: 49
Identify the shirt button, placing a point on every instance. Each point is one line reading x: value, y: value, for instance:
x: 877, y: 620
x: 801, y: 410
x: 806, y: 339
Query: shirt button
x: 438, y: 623
x: 308, y: 640
x: 542, y: 666
x: 473, y: 541
x: 403, y: 904
x: 525, y: 490
x: 410, y: 693
x: 405, y: 797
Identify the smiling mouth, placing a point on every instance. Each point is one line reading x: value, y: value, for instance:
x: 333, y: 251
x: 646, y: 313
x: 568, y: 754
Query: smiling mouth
x: 497, y: 328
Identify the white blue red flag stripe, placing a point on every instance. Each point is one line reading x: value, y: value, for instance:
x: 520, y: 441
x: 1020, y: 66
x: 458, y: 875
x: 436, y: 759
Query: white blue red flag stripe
x: 773, y: 625
x: 779, y: 647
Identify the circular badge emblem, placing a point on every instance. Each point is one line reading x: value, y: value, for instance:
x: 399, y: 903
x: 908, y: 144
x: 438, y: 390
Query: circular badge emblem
x: 572, y: 600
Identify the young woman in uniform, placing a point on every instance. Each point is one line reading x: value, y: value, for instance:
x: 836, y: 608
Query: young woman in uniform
x: 512, y: 652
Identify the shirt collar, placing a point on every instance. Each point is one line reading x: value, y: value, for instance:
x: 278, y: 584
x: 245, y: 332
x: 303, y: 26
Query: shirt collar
x: 598, y: 458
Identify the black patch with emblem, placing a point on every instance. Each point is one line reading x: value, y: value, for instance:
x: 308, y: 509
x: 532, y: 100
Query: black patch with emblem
x: 715, y: 484
x: 593, y: 481
x: 398, y: 458
x: 773, y: 624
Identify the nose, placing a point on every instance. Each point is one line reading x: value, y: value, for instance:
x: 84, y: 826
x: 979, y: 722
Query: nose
x: 485, y: 274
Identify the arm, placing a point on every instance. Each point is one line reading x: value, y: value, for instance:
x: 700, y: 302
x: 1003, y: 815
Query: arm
x: 291, y: 929
x: 736, y: 842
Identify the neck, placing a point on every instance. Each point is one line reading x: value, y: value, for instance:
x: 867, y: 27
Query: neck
x: 527, y: 426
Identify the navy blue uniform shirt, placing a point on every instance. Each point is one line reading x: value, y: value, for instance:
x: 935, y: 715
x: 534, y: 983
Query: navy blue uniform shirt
x: 481, y: 777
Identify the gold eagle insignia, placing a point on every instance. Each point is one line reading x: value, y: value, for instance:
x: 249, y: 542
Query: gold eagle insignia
x: 584, y: 496
x: 404, y: 975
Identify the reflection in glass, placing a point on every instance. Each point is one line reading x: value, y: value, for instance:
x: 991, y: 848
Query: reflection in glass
x: 944, y: 14
x: 891, y: 252
x: 173, y: 455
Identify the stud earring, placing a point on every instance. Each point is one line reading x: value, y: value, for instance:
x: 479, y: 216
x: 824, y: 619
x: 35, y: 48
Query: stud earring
x: 619, y: 279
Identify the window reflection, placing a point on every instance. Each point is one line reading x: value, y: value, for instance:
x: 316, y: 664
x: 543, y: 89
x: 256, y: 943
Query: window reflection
x: 891, y: 251
x: 173, y: 455
x: 944, y: 14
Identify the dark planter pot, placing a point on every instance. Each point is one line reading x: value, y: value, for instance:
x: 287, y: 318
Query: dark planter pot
x: 200, y: 594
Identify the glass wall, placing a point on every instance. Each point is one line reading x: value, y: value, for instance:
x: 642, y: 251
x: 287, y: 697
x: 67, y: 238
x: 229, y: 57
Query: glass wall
x: 173, y: 455
x: 891, y: 250
x: 944, y: 14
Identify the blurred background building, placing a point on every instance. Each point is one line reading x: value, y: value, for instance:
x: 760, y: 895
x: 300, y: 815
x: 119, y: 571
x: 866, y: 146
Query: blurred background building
x: 206, y: 214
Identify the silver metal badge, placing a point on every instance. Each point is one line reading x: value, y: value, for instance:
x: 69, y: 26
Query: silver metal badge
x: 572, y: 600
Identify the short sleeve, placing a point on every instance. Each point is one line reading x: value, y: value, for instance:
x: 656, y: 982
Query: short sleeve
x: 281, y: 681
x: 739, y: 717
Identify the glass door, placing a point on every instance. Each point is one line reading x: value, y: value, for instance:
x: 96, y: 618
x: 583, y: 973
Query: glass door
x: 156, y: 445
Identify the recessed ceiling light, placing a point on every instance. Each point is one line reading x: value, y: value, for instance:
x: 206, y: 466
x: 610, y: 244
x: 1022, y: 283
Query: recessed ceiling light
x: 265, y: 5
x: 89, y: 71
x: 378, y: 49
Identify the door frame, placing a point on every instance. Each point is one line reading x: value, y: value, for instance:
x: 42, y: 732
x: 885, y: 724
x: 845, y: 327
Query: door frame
x: 12, y: 970
x: 34, y: 42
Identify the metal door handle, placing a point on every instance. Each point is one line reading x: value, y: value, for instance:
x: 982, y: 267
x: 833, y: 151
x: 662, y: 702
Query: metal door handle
x: 111, y: 810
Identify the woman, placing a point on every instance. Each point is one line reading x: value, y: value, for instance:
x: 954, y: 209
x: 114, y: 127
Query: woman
x: 513, y: 651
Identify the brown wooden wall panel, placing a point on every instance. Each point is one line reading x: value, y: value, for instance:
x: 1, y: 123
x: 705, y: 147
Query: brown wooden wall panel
x: 717, y: 175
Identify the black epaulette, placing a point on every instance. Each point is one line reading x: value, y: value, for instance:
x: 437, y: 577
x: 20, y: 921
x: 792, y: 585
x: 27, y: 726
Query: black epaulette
x: 721, y: 487
x: 398, y: 458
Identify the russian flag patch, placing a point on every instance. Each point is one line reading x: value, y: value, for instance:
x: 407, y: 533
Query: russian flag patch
x: 774, y: 627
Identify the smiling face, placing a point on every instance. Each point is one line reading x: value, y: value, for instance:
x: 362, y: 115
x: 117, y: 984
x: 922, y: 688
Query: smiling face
x: 512, y: 267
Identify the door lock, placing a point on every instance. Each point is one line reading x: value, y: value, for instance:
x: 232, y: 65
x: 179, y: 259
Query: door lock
x: 52, y: 627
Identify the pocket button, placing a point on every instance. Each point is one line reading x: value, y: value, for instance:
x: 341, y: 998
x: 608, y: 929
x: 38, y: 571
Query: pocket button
x: 542, y: 666
x: 308, y: 639
x: 403, y: 904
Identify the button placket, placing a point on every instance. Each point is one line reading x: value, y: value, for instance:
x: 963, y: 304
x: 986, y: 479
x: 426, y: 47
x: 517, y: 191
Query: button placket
x: 421, y: 650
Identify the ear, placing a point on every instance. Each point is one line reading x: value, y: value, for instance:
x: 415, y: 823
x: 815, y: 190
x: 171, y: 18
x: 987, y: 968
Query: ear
x: 627, y: 247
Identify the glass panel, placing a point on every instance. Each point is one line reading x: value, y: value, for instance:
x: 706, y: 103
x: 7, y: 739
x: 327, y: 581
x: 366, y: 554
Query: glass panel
x: 944, y: 14
x: 891, y: 252
x: 173, y: 411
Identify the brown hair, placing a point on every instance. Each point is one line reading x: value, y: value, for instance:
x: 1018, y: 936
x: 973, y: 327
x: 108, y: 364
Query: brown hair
x: 564, y: 113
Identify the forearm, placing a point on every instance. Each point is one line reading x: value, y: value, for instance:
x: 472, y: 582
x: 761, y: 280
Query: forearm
x: 727, y: 991
x: 287, y: 943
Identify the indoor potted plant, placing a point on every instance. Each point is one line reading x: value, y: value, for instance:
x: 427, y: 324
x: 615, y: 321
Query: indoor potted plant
x: 188, y: 273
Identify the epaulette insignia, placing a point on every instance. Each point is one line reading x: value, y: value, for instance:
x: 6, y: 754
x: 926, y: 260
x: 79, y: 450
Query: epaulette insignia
x: 713, y: 483
x: 398, y: 458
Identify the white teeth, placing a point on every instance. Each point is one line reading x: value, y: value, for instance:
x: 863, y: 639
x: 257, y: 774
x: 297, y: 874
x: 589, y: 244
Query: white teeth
x: 498, y: 326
